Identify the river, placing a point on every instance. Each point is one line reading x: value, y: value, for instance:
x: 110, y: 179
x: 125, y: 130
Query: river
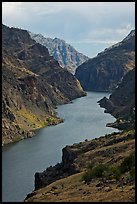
x: 83, y: 119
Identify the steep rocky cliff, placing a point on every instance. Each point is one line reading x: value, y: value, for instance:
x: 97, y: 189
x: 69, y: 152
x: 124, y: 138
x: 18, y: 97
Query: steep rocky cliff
x: 63, y: 182
x: 105, y: 71
x: 56, y: 183
x: 33, y: 83
x: 64, y: 53
x: 121, y: 103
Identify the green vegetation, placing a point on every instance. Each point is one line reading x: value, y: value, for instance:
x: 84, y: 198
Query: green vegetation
x: 50, y: 120
x: 128, y: 164
x: 132, y: 172
x: 111, y: 172
x: 95, y: 172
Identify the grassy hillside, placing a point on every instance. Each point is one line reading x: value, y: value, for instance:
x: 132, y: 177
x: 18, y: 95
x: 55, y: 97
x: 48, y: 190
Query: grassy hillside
x: 111, y: 150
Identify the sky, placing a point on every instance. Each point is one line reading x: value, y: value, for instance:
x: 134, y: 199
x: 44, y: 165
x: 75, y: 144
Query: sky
x: 89, y: 27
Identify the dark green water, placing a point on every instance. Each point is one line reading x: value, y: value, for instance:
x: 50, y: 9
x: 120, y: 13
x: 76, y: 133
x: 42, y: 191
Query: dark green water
x: 84, y: 119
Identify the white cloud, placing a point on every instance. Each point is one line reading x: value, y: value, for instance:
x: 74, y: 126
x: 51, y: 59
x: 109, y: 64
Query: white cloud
x: 87, y: 41
x: 109, y: 33
x: 96, y: 10
x: 97, y: 22
x: 10, y: 7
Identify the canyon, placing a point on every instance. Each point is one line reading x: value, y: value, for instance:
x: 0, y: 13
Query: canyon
x: 33, y: 84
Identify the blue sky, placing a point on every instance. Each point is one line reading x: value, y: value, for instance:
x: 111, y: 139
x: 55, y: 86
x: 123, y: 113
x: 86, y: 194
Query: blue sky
x: 89, y: 27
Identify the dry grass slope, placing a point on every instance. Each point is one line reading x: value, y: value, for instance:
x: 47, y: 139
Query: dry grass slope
x: 111, y: 150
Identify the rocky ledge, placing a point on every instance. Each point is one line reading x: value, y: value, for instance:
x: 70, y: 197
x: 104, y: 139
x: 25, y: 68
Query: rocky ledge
x: 109, y: 149
x: 121, y: 103
x: 65, y: 168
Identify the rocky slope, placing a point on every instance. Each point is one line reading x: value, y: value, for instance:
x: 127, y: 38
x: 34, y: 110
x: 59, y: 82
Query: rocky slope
x: 105, y: 71
x: 33, y: 83
x: 63, y: 182
x: 64, y: 53
x: 121, y: 103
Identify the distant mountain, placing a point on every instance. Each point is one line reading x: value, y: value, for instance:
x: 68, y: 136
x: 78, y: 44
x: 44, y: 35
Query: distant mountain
x: 104, y: 152
x: 33, y: 83
x: 112, y: 151
x: 64, y: 53
x: 105, y: 71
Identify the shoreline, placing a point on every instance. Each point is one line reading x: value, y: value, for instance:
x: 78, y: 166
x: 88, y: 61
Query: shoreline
x: 109, y: 148
x: 32, y: 133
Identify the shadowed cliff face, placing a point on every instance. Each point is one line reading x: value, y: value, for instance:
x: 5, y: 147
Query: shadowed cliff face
x: 121, y: 103
x: 105, y: 71
x: 33, y: 83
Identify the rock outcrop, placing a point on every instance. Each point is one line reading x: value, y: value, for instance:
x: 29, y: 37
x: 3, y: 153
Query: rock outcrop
x: 109, y: 149
x: 61, y: 170
x: 65, y: 54
x: 33, y: 84
x: 77, y: 157
x: 121, y: 103
x: 105, y: 71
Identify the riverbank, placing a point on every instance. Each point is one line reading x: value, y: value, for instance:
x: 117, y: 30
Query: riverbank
x: 63, y: 182
x: 29, y: 134
x: 48, y: 121
x: 81, y: 119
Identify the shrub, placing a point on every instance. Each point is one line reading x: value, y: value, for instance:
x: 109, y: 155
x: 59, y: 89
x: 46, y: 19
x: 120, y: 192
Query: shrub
x: 94, y: 172
x: 132, y: 172
x: 128, y: 163
x: 98, y: 170
x: 87, y: 176
x: 49, y: 119
x: 113, y: 172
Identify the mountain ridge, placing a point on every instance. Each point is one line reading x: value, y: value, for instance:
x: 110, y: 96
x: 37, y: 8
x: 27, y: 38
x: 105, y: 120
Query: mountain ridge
x: 67, y: 56
x: 105, y: 71
x: 65, y: 181
x: 33, y: 84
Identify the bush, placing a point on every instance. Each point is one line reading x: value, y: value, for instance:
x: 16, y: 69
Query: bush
x: 128, y: 163
x: 49, y: 119
x: 98, y: 171
x: 87, y: 176
x: 113, y: 172
x: 94, y: 172
x: 132, y: 172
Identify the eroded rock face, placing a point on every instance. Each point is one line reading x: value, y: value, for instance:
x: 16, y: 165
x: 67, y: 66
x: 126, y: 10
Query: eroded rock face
x: 67, y: 57
x: 65, y: 168
x: 33, y: 83
x: 105, y: 71
x: 77, y: 157
x: 121, y: 103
